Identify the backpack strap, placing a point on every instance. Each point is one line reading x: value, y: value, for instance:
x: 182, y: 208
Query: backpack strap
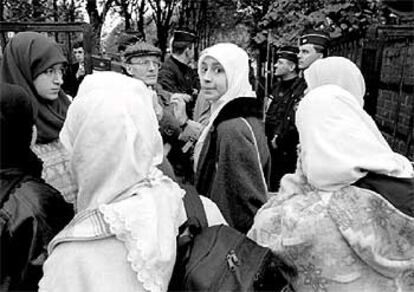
x: 194, y: 208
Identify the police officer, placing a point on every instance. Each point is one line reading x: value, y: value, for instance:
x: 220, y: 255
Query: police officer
x: 177, y: 76
x: 313, y: 45
x: 279, y: 124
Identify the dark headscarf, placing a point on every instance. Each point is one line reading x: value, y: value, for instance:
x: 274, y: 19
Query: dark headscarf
x: 27, y: 55
x: 16, y: 124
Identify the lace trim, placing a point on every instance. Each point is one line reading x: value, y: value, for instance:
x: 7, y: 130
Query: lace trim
x: 122, y: 228
x: 141, y: 232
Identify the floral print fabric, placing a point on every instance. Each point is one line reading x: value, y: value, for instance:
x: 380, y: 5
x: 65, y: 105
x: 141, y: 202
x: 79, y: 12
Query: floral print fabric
x: 349, y: 240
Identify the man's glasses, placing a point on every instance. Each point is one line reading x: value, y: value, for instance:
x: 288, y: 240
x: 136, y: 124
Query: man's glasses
x: 147, y: 63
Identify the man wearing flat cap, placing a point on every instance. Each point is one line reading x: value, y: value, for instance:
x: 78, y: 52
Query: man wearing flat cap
x: 142, y: 61
x: 280, y: 117
x: 313, y: 45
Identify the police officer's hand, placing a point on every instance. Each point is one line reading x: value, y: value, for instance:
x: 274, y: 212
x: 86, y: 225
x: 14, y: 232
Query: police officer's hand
x: 178, y: 101
x: 181, y: 96
x: 274, y: 142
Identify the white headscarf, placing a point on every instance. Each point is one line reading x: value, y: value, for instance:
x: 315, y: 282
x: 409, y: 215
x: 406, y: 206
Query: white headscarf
x: 339, y: 71
x: 339, y: 141
x: 111, y: 132
x: 235, y: 62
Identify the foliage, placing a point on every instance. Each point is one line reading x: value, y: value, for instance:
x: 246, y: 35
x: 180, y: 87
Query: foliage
x: 226, y: 24
x: 214, y: 21
x: 286, y: 19
x: 41, y: 10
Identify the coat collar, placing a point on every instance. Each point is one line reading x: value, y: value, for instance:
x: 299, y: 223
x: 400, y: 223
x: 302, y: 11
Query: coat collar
x: 239, y: 107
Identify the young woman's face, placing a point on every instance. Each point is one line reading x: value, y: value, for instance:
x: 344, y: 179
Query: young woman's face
x: 213, y: 79
x: 48, y: 83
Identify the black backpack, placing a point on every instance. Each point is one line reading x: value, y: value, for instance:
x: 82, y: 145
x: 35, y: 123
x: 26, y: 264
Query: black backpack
x: 220, y: 258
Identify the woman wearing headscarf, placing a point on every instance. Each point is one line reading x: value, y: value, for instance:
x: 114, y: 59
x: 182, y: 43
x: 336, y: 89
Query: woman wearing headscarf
x: 31, y: 211
x: 36, y: 63
x: 123, y: 237
x: 231, y: 157
x: 344, y: 219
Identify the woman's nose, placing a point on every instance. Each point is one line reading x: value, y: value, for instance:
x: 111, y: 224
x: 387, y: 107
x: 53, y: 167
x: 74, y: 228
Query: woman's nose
x: 58, y: 79
x: 207, y: 76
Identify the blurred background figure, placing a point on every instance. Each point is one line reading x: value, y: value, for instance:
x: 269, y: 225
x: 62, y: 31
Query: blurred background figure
x: 75, y: 72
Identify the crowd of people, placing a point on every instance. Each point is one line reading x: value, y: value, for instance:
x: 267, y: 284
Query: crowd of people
x: 94, y: 167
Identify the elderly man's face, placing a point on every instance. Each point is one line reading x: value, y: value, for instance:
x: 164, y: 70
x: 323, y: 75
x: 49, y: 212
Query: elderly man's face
x: 144, y: 68
x: 307, y: 55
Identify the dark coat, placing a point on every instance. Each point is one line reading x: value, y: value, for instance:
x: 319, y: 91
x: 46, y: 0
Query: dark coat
x: 169, y: 126
x: 31, y: 214
x: 280, y: 121
x: 70, y: 81
x: 228, y: 171
x: 177, y: 77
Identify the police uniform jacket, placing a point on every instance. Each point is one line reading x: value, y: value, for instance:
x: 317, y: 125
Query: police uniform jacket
x: 280, y: 117
x: 177, y: 77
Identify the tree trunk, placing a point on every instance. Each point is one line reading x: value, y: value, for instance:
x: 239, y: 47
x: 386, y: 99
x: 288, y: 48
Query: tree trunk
x: 141, y: 18
x: 1, y: 10
x: 162, y: 34
x: 126, y: 14
x: 96, y: 21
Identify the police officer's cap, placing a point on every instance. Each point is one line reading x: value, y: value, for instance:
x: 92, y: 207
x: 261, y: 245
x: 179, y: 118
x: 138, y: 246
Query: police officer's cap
x: 314, y: 37
x: 288, y: 52
x: 184, y: 36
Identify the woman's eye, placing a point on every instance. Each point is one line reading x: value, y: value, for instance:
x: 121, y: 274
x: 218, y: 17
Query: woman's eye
x: 218, y: 70
x: 49, y: 71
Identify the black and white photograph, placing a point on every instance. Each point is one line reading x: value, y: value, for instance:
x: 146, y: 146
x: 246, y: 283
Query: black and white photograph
x: 207, y: 145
